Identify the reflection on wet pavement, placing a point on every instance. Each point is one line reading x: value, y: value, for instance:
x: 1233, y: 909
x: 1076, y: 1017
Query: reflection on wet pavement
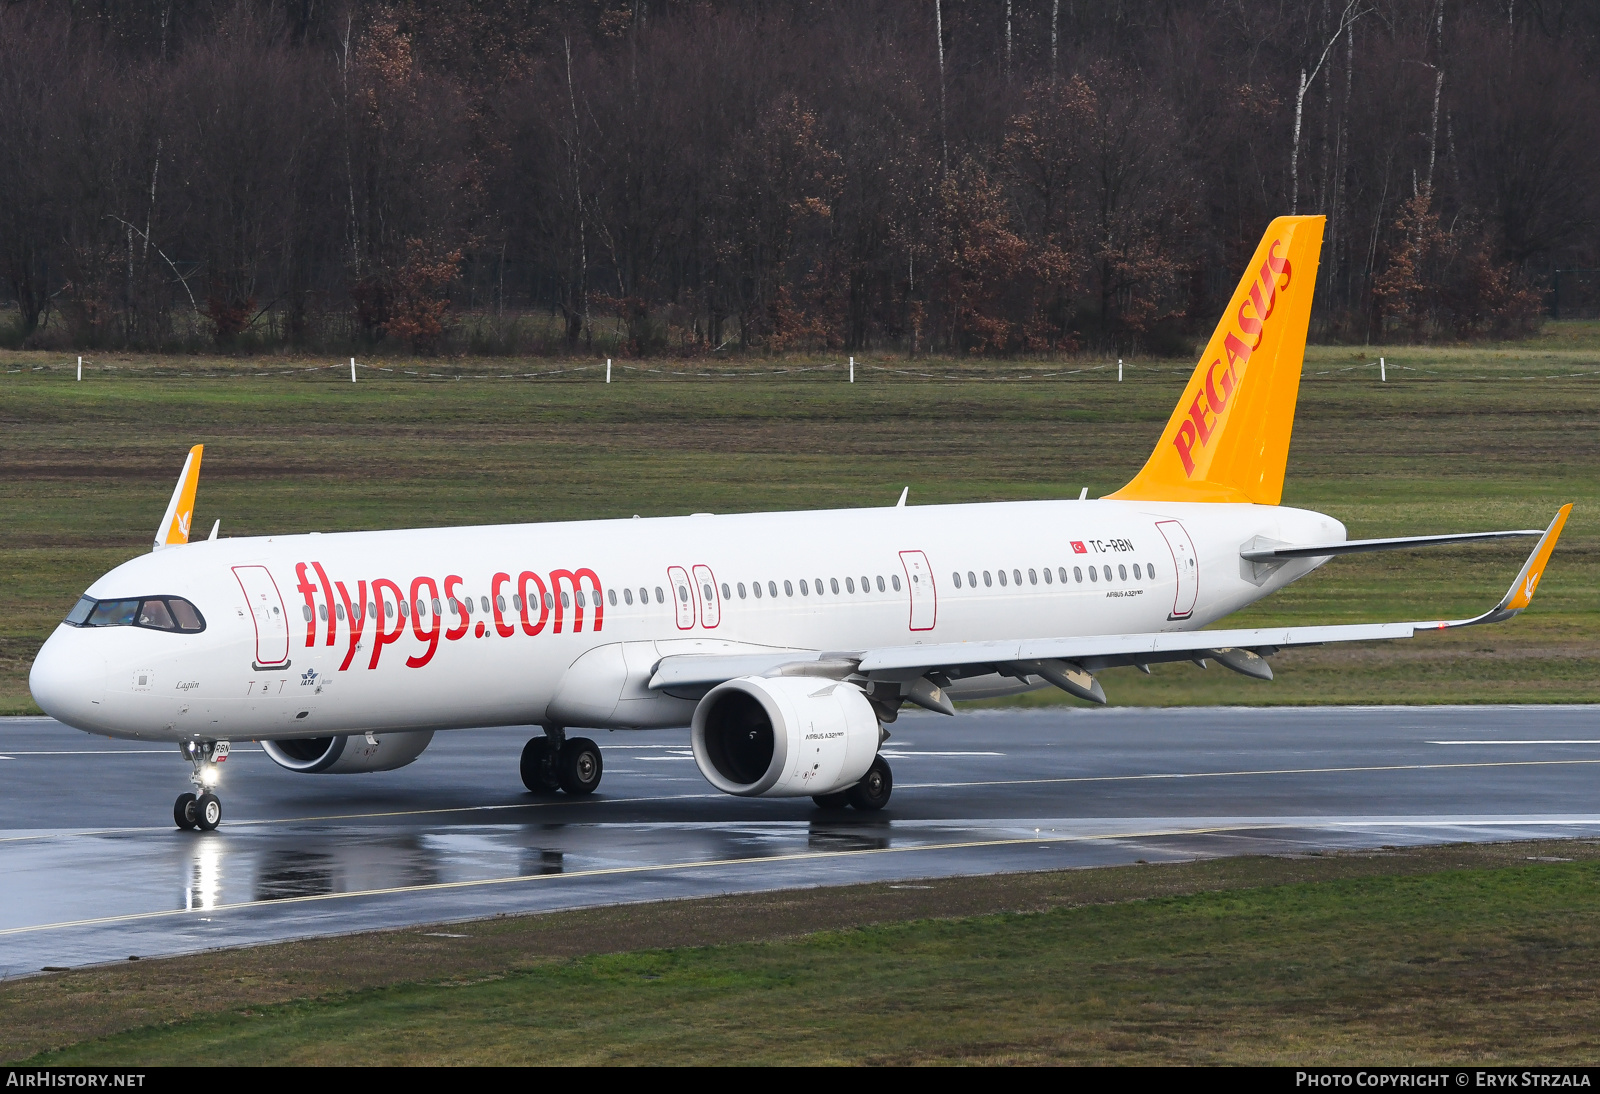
x: 100, y: 877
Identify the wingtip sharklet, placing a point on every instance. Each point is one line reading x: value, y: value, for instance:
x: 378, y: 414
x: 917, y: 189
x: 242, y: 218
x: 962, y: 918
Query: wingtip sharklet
x: 1520, y: 595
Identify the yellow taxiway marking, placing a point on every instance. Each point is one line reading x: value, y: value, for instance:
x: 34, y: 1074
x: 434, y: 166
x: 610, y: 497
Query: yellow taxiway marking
x: 614, y: 871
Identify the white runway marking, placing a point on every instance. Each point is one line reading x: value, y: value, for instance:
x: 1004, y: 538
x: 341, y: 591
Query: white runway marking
x: 1587, y: 742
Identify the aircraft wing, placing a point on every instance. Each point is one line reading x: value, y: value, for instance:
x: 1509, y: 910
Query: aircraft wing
x: 1070, y: 663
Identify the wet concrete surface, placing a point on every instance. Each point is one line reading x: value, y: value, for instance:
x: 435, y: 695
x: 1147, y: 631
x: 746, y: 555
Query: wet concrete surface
x: 92, y: 870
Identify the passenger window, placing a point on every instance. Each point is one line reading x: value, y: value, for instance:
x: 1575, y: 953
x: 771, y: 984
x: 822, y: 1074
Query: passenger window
x: 683, y: 594
x: 405, y: 609
x: 1046, y: 575
x: 1033, y: 577
x: 422, y: 609
x: 987, y: 583
x: 388, y: 610
x: 705, y: 591
x: 755, y: 587
x: 338, y: 611
x: 788, y: 588
x: 725, y: 593
x: 1122, y: 571
x: 1149, y: 571
x: 627, y: 596
x: 322, y: 612
x: 153, y: 613
x: 1016, y: 575
x: 484, y: 601
x: 611, y: 595
x: 866, y: 586
x: 1108, y: 572
x: 894, y: 579
x: 499, y: 602
x: 1136, y: 575
x: 849, y: 584
x: 1094, y: 575
x: 1061, y: 571
x: 880, y: 583
x: 772, y: 589
x: 955, y: 579
x: 305, y: 613
x: 803, y: 590
x: 372, y: 608
x: 661, y: 597
x: 566, y: 602
x: 549, y: 602
x: 833, y: 585
x: 1002, y: 576
x: 741, y: 590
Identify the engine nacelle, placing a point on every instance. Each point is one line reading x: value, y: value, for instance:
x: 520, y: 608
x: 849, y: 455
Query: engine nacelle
x: 347, y: 755
x: 784, y: 737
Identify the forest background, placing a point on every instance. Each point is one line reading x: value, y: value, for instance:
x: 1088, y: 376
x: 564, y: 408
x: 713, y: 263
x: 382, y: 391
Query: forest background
x: 697, y: 177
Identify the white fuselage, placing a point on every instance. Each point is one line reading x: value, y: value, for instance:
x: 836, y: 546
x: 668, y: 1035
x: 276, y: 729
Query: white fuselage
x: 844, y: 580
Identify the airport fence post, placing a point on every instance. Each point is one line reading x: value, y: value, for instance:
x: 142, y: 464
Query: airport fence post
x: 1119, y: 370
x: 1383, y: 372
x: 852, y: 370
x: 80, y: 370
x: 608, y: 370
x: 352, y: 370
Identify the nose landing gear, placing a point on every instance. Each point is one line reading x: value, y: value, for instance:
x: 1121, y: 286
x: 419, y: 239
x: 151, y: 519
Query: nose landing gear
x: 202, y: 810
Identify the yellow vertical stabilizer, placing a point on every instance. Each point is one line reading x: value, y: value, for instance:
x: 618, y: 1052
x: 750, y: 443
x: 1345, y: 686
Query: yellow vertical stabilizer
x: 1228, y: 439
x: 176, y: 521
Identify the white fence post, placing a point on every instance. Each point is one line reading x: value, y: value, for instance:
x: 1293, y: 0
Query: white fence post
x: 852, y: 370
x: 608, y: 370
x: 80, y: 370
x: 352, y: 370
x: 1383, y: 372
x: 1119, y: 370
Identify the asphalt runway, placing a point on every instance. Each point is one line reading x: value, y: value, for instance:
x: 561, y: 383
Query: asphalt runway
x: 92, y: 870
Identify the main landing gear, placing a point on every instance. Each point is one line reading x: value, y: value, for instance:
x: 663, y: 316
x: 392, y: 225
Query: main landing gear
x: 869, y: 795
x: 558, y: 762
x: 202, y: 810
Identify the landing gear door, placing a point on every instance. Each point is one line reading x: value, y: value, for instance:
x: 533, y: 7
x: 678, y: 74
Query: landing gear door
x: 1185, y: 564
x: 919, y: 582
x: 266, y: 607
x: 683, y: 596
x: 705, y: 584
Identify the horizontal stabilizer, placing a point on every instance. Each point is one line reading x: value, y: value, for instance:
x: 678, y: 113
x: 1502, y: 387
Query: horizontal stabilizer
x: 1362, y: 546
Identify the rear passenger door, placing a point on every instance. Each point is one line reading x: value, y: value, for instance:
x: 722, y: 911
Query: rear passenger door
x: 683, y: 596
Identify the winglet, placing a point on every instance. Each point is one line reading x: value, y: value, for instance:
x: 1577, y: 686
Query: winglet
x: 174, y: 528
x: 1520, y: 595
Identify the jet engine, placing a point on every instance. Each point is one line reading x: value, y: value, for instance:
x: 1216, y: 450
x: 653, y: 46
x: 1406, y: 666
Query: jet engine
x: 348, y: 755
x: 784, y: 737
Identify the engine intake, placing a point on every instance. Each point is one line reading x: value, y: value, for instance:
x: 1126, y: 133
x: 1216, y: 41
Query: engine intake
x: 784, y: 737
x: 347, y: 755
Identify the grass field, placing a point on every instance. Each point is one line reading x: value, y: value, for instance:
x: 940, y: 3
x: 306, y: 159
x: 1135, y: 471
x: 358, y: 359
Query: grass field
x: 1459, y: 439
x: 1480, y: 954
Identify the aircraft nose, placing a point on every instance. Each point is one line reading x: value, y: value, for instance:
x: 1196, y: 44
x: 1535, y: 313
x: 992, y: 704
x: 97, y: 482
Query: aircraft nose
x: 69, y: 682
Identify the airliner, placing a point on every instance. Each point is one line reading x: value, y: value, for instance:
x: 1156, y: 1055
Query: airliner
x: 785, y: 641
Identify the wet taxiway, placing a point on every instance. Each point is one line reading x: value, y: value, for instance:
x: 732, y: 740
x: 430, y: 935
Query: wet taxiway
x: 91, y: 870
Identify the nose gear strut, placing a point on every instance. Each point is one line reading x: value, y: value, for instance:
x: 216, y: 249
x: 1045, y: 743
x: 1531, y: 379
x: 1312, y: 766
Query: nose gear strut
x: 202, y: 809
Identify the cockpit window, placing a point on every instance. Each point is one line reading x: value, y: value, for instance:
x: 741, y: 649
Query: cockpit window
x: 162, y: 613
